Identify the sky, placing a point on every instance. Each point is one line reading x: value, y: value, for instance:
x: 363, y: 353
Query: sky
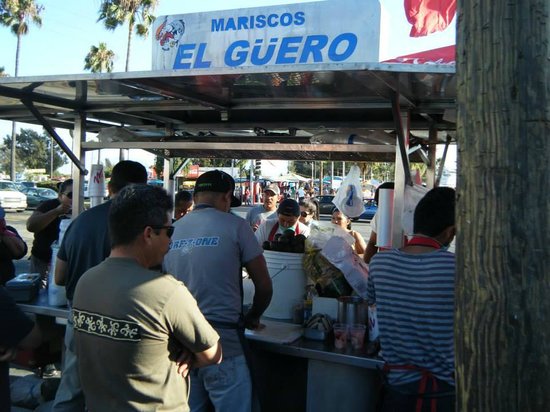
x: 69, y: 28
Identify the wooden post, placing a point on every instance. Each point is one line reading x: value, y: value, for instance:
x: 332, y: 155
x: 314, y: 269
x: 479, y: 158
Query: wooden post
x: 503, y: 259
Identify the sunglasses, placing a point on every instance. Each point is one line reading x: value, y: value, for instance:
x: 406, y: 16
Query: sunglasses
x: 305, y: 214
x: 169, y: 229
x: 69, y: 195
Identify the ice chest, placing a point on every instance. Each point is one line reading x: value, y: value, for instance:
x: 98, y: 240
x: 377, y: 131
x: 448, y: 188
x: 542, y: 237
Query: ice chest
x: 24, y: 287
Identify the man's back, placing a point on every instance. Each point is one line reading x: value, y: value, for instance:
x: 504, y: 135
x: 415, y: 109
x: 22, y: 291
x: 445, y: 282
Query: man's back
x: 85, y: 244
x: 414, y: 295
x: 207, y: 252
x: 131, y: 332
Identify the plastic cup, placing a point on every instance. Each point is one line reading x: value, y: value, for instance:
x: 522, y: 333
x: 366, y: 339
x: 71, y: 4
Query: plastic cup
x: 357, y: 335
x: 340, y: 335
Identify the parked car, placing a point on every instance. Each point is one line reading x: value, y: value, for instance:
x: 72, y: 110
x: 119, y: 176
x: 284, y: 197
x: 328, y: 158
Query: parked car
x: 11, y: 198
x: 370, y: 210
x: 325, y: 204
x: 27, y: 184
x: 35, y: 196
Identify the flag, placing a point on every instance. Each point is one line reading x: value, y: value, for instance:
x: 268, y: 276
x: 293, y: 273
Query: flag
x: 429, y: 16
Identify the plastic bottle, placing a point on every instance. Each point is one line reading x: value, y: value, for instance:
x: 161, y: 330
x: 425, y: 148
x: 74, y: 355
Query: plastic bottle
x: 308, y: 303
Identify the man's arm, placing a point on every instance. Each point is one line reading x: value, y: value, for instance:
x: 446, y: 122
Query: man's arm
x: 60, y: 272
x: 371, y: 249
x: 16, y: 246
x: 257, y: 270
x: 39, y: 220
x: 187, y: 360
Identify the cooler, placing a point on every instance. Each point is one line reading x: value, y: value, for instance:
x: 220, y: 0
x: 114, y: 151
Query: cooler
x: 24, y: 287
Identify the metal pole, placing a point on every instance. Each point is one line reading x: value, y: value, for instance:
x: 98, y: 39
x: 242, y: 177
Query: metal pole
x: 51, y: 158
x: 331, y: 176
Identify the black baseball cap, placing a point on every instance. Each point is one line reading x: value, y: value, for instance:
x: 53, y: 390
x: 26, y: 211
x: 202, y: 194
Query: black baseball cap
x: 219, y: 182
x: 289, y: 207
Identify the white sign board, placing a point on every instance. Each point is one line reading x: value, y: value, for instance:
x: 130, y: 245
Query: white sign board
x: 269, y: 38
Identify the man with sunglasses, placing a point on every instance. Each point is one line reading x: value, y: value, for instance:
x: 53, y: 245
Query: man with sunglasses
x: 86, y: 244
x: 132, y: 322
x: 44, y: 223
x: 208, y: 250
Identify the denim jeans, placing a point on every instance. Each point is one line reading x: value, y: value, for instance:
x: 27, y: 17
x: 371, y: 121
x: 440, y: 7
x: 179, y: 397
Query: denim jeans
x: 69, y: 396
x: 227, y: 386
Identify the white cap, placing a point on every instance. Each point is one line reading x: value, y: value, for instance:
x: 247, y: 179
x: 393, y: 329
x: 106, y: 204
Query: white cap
x: 274, y: 188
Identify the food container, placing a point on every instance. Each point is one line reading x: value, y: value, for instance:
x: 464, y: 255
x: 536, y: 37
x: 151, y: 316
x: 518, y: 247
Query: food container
x: 24, y: 287
x: 352, y: 309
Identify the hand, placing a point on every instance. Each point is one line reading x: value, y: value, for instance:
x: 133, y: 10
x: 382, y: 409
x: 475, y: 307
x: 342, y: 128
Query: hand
x: 252, y: 322
x: 63, y: 209
x: 184, y: 362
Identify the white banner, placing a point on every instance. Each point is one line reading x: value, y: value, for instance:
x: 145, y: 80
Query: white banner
x: 325, y: 33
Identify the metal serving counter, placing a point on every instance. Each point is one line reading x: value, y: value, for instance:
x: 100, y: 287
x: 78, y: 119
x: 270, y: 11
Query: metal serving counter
x: 301, y: 375
x: 40, y: 306
x: 307, y: 375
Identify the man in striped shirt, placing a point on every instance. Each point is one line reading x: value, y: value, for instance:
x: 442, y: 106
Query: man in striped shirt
x: 413, y: 289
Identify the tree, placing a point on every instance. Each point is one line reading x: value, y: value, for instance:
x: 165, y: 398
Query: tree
x: 99, y: 59
x: 17, y: 15
x: 3, y: 72
x: 33, y: 151
x: 137, y: 13
x: 503, y: 281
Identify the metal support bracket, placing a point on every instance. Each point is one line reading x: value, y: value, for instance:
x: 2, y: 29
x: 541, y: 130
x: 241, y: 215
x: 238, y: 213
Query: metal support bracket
x: 396, y: 111
x: 51, y: 131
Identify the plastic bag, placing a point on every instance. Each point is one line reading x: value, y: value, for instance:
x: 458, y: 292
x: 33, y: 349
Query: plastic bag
x: 329, y: 281
x: 349, y: 198
x: 340, y: 254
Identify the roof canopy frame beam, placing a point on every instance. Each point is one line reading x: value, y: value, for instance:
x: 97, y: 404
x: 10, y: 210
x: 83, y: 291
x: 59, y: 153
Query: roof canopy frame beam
x: 51, y: 131
x: 154, y: 87
x: 24, y: 94
x: 401, y: 138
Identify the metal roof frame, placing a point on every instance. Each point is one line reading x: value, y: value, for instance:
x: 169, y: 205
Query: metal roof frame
x: 243, y: 114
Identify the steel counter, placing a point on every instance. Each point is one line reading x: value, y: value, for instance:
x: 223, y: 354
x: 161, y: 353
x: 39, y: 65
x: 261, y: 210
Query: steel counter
x: 40, y: 306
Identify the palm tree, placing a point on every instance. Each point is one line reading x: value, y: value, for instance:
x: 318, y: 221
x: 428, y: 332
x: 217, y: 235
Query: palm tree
x: 137, y: 13
x: 99, y: 59
x: 17, y: 15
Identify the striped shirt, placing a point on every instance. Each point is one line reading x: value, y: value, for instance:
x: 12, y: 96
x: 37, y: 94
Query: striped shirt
x: 414, y: 297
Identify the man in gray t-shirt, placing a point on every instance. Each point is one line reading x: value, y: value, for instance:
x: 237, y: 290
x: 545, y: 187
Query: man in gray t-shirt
x: 258, y: 214
x: 208, y: 250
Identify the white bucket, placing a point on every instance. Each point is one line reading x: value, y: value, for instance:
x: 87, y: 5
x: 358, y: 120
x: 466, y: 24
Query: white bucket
x: 289, y: 283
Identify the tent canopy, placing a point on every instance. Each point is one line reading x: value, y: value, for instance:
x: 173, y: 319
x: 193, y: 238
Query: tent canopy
x: 243, y: 115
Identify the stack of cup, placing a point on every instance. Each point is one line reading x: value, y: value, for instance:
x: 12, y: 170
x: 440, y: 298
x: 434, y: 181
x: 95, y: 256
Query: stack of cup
x: 355, y: 333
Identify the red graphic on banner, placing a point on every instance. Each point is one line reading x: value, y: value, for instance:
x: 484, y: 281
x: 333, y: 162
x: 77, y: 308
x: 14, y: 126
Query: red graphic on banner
x: 429, y: 16
x: 443, y: 55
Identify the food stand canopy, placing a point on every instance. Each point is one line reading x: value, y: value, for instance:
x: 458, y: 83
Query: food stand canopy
x: 247, y: 116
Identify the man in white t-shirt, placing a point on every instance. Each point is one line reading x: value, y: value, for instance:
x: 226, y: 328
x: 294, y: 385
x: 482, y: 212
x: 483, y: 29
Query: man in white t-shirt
x: 261, y: 213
